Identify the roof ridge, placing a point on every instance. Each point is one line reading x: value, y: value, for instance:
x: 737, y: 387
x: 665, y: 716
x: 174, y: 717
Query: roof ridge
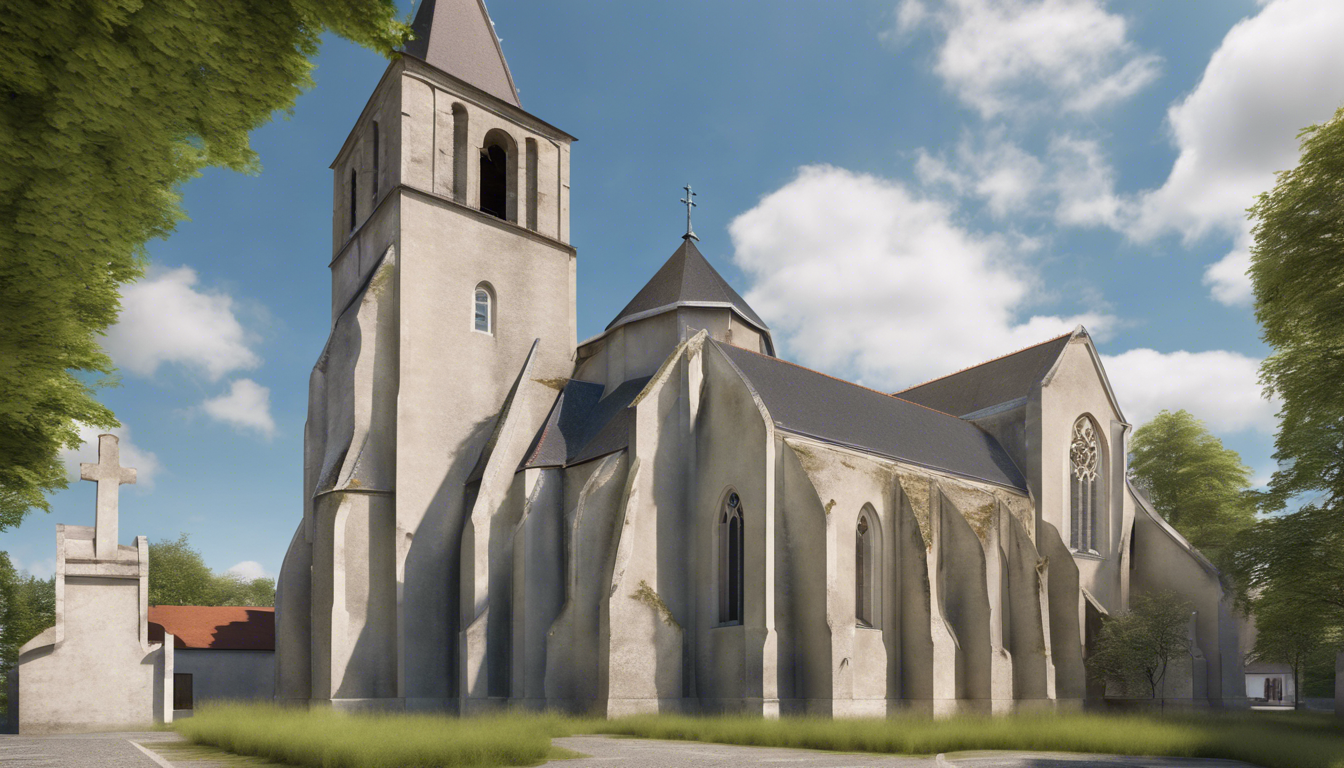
x: 977, y: 365
x: 837, y: 378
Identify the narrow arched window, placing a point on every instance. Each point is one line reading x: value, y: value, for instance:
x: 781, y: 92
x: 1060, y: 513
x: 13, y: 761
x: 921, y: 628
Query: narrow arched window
x: 731, y: 550
x: 460, y: 153
x: 483, y: 318
x: 1085, y: 503
x: 865, y: 572
x: 354, y: 194
x: 376, y: 159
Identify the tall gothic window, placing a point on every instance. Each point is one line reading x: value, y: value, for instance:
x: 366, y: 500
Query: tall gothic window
x: 483, y: 316
x: 1085, y: 504
x: 865, y: 572
x: 731, y: 550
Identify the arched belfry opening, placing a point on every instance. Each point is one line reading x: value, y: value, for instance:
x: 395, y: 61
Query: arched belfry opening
x: 499, y: 163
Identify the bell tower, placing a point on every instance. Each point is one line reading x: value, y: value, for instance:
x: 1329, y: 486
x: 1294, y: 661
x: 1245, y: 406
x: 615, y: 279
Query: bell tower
x: 450, y: 259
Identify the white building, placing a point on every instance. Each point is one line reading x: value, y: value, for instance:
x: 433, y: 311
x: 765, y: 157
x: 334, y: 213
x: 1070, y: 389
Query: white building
x: 221, y: 653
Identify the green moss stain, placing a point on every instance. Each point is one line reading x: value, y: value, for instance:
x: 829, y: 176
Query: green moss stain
x: 647, y: 596
x: 557, y: 382
x: 829, y: 506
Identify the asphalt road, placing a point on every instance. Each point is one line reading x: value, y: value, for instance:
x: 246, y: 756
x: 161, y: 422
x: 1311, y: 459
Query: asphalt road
x: 642, y: 753
x: 116, y: 750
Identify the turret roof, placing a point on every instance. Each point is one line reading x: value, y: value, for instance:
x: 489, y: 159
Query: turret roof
x: 687, y: 279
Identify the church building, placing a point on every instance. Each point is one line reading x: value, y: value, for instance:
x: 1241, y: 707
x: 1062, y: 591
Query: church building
x: 667, y: 516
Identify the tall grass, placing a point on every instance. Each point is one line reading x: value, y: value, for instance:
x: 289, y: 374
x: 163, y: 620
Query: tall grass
x: 1295, y: 741
x: 335, y: 740
x: 340, y: 740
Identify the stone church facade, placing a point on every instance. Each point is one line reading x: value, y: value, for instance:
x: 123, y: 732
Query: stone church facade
x: 667, y: 516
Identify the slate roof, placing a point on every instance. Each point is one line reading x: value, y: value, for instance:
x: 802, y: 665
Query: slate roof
x: 812, y: 404
x: 218, y: 628
x: 458, y: 37
x: 686, y: 278
x: 997, y: 381
x: 584, y: 424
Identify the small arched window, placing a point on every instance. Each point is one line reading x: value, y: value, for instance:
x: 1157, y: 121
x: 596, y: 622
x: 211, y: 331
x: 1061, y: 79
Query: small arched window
x: 865, y: 572
x: 731, y: 550
x: 1085, y: 503
x: 483, y: 314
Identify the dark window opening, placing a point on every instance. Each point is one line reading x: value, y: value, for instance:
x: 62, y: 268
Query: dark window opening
x: 183, y: 697
x: 495, y: 181
x: 731, y: 556
x: 375, y: 160
x: 863, y: 585
x: 354, y: 193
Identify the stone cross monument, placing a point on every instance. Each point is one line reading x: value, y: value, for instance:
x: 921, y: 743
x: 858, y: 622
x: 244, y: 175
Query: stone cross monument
x: 110, y: 476
x: 95, y: 668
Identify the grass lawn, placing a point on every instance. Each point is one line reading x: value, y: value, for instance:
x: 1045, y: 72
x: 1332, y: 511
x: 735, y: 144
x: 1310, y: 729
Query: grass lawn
x: 332, y: 740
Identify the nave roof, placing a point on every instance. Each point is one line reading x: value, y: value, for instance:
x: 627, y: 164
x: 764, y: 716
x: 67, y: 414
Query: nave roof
x: 1000, y: 380
x: 812, y: 404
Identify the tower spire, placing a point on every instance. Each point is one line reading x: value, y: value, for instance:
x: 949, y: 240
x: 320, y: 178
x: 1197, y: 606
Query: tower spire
x: 458, y: 37
x: 689, y: 200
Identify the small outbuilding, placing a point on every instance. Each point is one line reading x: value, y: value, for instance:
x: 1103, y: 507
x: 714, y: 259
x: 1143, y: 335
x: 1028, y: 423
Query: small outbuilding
x: 220, y: 652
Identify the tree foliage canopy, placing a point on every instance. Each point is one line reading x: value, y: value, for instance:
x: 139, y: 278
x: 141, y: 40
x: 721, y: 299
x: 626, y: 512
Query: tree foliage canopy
x: 1136, y: 647
x: 178, y: 575
x: 27, y: 606
x: 106, y: 107
x: 1196, y: 483
x: 1297, y: 269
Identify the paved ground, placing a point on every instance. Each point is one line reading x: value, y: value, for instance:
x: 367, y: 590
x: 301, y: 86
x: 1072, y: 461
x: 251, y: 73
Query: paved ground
x: 642, y: 753
x: 116, y: 750
x: 112, y: 750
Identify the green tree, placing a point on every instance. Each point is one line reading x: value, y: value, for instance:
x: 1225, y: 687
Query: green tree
x: 1135, y: 648
x: 1299, y: 557
x: 27, y: 606
x: 178, y: 575
x: 106, y: 107
x: 1297, y: 269
x: 1196, y: 483
x: 1283, y: 636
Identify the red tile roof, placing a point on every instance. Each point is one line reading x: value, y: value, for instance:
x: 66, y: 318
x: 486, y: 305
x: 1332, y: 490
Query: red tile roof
x: 222, y: 628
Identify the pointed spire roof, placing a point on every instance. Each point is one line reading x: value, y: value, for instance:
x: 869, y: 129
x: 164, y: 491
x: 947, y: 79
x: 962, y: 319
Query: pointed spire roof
x: 458, y: 37
x: 686, y: 279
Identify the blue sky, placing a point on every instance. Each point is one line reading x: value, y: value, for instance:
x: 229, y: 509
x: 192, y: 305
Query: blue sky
x: 900, y: 188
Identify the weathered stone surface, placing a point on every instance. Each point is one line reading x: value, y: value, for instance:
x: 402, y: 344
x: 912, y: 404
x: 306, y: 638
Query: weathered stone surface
x: 96, y: 669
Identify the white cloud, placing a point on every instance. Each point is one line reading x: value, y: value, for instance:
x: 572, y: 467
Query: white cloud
x: 145, y: 463
x: 856, y: 272
x: 998, y: 171
x: 1219, y: 387
x: 166, y: 319
x: 247, y: 405
x: 1084, y: 183
x: 248, y: 570
x: 1273, y: 74
x: 1227, y: 278
x: 999, y: 55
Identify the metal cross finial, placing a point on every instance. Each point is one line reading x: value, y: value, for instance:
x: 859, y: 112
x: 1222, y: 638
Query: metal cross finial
x: 689, y: 201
